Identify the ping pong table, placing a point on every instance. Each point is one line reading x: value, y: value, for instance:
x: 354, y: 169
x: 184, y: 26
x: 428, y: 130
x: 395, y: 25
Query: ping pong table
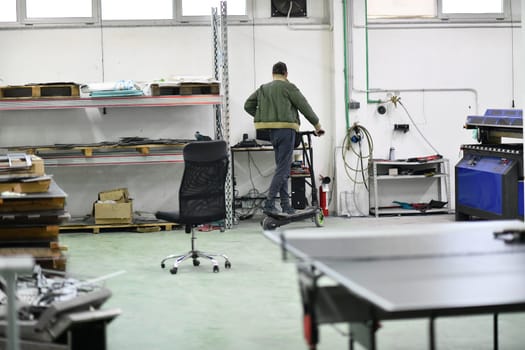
x: 447, y: 269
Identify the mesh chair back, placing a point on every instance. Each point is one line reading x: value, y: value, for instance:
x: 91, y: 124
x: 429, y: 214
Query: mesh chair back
x: 201, y: 194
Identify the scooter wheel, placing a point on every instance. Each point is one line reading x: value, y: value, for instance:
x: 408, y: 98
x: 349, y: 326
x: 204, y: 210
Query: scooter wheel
x: 319, y: 218
x: 269, y: 224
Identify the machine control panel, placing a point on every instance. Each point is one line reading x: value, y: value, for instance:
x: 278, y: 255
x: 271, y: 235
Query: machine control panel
x: 486, y: 163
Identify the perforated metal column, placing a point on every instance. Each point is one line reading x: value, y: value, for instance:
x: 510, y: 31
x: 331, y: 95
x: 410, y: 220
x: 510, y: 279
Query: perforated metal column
x: 222, y: 112
x: 216, y: 46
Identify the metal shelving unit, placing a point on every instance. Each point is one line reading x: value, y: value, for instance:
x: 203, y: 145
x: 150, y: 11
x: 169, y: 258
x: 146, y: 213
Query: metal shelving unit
x: 219, y: 101
x: 110, y: 155
x: 415, y: 182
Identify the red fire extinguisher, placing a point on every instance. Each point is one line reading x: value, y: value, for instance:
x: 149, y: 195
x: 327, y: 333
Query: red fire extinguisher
x: 323, y: 191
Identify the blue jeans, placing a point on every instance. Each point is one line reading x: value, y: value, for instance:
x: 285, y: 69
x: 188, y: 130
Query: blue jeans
x: 283, y: 141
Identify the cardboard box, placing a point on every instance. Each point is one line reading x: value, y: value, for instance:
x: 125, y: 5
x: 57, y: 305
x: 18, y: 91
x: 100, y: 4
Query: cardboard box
x: 113, y: 213
x: 14, y: 166
x: 113, y: 207
x: 119, y: 195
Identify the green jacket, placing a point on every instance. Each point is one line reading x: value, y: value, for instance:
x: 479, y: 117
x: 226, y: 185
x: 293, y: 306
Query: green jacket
x: 275, y: 105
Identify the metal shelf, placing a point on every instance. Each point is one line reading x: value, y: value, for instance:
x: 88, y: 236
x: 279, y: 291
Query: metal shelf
x: 107, y: 154
x: 408, y: 177
x: 140, y: 101
x: 113, y: 159
x: 440, y: 180
x: 392, y: 211
x: 405, y: 163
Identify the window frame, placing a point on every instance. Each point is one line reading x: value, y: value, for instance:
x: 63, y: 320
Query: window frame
x: 179, y: 18
x: 17, y: 18
x: 406, y: 17
x: 444, y: 18
x: 475, y: 16
x: 96, y: 19
x: 24, y: 20
x: 136, y: 21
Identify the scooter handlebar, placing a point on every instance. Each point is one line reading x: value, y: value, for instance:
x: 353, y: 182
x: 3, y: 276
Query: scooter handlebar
x: 312, y: 132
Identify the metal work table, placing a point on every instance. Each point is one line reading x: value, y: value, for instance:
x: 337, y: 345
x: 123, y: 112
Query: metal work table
x: 437, y: 270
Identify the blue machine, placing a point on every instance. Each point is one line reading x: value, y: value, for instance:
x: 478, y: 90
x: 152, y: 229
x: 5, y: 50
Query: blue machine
x: 489, y: 178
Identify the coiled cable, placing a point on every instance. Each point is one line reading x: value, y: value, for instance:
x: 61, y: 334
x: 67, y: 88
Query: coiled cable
x: 353, y: 144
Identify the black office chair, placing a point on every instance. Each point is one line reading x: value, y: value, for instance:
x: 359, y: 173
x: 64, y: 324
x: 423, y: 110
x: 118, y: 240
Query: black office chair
x: 201, y: 197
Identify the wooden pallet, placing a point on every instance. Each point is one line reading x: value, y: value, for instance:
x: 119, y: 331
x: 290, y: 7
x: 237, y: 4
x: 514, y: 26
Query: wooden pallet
x: 185, y: 89
x: 133, y: 227
x: 39, y: 91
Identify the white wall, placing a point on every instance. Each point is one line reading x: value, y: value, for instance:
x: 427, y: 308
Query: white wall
x: 442, y: 73
x: 86, y: 55
x: 475, y: 59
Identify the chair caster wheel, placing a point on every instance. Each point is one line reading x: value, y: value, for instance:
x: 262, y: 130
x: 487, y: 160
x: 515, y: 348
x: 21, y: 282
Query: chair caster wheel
x: 173, y: 270
x: 227, y: 265
x: 162, y: 265
x: 215, y: 268
x: 196, y: 262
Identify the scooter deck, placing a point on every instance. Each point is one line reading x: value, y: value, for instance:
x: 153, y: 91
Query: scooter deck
x: 273, y: 220
x: 298, y: 214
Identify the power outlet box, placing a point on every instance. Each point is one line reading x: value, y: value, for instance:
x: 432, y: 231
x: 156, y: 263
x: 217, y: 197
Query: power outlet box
x: 401, y: 127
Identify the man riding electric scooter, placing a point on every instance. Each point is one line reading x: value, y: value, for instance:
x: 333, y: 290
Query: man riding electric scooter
x: 275, y: 106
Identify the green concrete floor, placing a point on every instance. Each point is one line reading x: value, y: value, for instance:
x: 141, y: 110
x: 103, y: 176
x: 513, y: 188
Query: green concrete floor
x: 254, y: 305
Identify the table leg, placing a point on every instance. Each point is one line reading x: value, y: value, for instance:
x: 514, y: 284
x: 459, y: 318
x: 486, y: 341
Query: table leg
x: 496, y: 332
x: 308, y: 289
x: 373, y: 335
x: 431, y: 332
x: 232, y: 155
x: 364, y: 333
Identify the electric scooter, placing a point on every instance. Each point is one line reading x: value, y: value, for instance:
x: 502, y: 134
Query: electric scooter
x: 273, y: 220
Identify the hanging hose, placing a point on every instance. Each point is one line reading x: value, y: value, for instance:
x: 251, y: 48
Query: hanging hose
x: 353, y: 142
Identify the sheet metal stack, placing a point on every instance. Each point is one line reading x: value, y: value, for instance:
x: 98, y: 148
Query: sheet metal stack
x: 32, y: 207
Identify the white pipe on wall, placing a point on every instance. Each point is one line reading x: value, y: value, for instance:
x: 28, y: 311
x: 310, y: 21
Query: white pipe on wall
x: 423, y: 90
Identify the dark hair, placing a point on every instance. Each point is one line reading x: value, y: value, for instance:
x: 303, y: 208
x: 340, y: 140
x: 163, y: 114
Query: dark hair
x: 279, y: 68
